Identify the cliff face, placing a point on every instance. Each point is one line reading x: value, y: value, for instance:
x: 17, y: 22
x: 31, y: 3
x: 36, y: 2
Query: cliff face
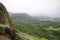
x: 5, y: 22
x: 4, y: 17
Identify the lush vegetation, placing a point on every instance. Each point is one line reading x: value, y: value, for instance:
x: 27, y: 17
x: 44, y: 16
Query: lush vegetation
x: 37, y: 28
x: 42, y: 30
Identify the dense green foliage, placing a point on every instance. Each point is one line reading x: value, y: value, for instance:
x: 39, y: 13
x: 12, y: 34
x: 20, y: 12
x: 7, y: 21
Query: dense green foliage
x: 44, y: 29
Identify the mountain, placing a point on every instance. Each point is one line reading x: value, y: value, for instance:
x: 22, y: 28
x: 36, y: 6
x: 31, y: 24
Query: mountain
x: 41, y: 17
x: 26, y: 17
x: 21, y: 16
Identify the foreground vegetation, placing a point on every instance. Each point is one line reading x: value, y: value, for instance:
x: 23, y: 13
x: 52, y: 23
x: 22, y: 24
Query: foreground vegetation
x: 44, y: 30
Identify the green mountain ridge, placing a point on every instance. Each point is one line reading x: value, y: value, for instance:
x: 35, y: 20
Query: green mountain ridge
x: 26, y: 17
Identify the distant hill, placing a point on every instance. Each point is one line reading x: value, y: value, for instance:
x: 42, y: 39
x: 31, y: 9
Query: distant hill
x: 26, y: 17
x: 21, y: 16
x: 41, y: 17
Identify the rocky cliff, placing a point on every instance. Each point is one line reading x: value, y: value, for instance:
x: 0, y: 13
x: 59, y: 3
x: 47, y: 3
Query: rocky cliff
x: 6, y: 32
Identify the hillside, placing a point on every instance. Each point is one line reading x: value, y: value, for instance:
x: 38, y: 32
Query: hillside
x: 37, y: 27
x: 44, y: 30
x: 26, y: 27
x: 21, y: 16
x: 38, y: 30
x: 6, y: 28
x: 26, y: 17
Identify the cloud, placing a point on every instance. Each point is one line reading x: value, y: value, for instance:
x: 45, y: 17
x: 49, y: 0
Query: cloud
x: 33, y: 7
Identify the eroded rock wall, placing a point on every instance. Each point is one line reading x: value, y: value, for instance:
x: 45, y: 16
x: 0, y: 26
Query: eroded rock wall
x: 4, y: 17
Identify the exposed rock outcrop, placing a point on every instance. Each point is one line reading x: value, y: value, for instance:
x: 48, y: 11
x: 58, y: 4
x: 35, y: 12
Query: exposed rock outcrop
x: 4, y: 17
x: 6, y: 33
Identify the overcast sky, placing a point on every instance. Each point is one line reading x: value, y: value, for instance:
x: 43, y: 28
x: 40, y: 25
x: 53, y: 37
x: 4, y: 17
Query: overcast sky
x: 33, y: 7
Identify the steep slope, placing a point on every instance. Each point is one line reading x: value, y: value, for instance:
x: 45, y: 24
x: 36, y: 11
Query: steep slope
x: 5, y: 13
x: 5, y: 22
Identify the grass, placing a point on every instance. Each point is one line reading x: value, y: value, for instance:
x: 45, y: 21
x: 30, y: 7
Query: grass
x: 2, y: 25
x: 24, y: 35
